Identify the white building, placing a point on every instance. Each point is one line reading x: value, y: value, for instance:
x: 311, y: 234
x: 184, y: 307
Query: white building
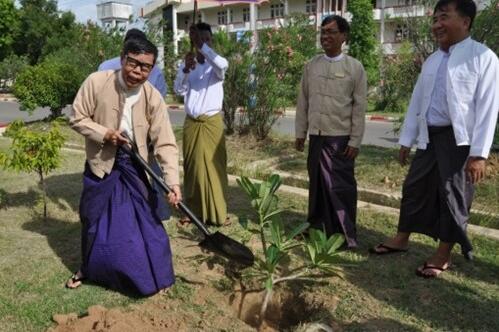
x: 114, y: 13
x: 235, y: 16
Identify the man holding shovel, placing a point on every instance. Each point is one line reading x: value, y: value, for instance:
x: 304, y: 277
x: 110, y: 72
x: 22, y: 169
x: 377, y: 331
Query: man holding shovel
x: 124, y: 244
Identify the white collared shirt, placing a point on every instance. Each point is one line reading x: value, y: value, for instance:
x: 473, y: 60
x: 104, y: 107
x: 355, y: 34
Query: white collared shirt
x: 472, y: 88
x: 438, y: 112
x: 202, y: 88
x: 131, y: 98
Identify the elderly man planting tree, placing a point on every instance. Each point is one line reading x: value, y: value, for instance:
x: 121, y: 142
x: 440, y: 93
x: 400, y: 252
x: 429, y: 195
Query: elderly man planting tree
x: 124, y: 244
x: 451, y: 118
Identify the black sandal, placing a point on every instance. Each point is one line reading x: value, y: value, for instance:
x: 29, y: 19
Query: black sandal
x: 426, y: 266
x: 388, y: 250
x: 74, y: 279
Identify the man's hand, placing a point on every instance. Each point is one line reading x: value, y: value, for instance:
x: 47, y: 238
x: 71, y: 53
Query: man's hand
x: 475, y: 169
x: 300, y: 144
x: 404, y: 153
x: 195, y: 37
x: 190, y: 62
x: 351, y: 152
x: 175, y: 196
x: 115, y: 137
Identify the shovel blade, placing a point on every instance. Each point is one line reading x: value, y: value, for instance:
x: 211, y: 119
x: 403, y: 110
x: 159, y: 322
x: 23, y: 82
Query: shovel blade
x: 229, y: 248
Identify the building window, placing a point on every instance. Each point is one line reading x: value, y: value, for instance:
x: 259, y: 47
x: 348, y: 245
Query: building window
x: 401, y: 33
x: 222, y: 17
x: 246, y: 14
x: 277, y: 10
x: 310, y: 6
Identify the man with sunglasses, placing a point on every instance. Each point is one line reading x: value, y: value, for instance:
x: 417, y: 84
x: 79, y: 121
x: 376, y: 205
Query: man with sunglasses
x: 124, y: 244
x: 157, y: 79
x: 451, y: 118
x: 331, y: 105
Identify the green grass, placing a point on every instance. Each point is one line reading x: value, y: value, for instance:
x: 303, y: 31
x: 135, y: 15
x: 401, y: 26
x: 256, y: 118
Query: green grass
x: 377, y: 293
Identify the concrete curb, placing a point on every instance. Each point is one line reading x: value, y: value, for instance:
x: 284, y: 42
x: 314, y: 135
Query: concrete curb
x: 362, y: 203
x: 292, y: 113
x: 3, y: 127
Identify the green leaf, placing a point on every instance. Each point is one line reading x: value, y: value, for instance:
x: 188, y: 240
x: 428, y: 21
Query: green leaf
x: 298, y: 230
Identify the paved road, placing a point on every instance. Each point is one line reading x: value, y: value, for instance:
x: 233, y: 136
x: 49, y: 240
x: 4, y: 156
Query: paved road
x: 377, y: 133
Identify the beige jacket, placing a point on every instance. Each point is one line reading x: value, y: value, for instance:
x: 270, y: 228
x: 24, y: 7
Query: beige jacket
x: 98, y: 106
x: 333, y: 99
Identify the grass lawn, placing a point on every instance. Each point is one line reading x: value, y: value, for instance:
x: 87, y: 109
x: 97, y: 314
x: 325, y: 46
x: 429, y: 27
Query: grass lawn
x: 376, y: 294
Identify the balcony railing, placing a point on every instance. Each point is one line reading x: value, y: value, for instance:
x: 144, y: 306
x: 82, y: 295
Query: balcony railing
x: 400, y: 12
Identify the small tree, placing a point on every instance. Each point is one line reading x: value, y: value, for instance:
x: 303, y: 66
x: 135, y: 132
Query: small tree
x: 362, y: 40
x: 418, y: 28
x: 33, y: 151
x: 276, y: 71
x: 236, y: 51
x: 485, y: 28
x: 280, y: 245
x: 394, y: 93
x: 49, y: 84
x: 10, y: 67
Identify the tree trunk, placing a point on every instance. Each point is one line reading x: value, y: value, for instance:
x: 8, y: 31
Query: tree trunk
x: 56, y: 112
x: 44, y: 193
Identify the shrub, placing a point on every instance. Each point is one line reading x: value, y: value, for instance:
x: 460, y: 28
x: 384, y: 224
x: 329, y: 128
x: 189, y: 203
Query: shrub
x: 33, y: 151
x: 10, y: 67
x: 394, y: 93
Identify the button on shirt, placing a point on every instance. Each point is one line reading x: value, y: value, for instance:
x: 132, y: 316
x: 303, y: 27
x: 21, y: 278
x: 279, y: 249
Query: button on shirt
x: 438, y: 112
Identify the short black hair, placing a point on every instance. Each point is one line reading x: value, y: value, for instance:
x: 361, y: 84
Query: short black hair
x: 135, y: 34
x: 139, y: 46
x: 342, y: 24
x: 202, y: 26
x: 465, y: 8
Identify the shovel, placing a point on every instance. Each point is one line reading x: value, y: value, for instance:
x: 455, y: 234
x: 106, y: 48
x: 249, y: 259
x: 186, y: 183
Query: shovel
x: 217, y: 242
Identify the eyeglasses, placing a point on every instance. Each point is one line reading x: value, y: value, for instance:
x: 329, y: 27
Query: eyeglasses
x: 133, y: 63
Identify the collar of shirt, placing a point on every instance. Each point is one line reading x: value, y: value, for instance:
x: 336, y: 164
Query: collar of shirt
x: 334, y: 59
x: 454, y: 46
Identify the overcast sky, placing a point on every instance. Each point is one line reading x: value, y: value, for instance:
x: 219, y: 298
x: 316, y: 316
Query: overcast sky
x: 86, y: 9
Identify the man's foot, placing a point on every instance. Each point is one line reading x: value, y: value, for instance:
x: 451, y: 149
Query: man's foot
x: 225, y: 223
x: 429, y: 270
x: 184, y: 221
x: 75, y: 281
x: 383, y: 249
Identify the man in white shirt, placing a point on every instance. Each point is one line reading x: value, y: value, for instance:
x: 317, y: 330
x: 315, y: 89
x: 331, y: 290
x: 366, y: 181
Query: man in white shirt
x: 200, y: 80
x: 451, y: 118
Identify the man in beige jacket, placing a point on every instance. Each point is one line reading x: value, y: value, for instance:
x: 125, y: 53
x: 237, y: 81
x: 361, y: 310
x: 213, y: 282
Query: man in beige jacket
x: 124, y: 244
x: 331, y: 109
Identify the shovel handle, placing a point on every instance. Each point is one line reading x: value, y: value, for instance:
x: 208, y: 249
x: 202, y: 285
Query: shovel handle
x: 137, y: 157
